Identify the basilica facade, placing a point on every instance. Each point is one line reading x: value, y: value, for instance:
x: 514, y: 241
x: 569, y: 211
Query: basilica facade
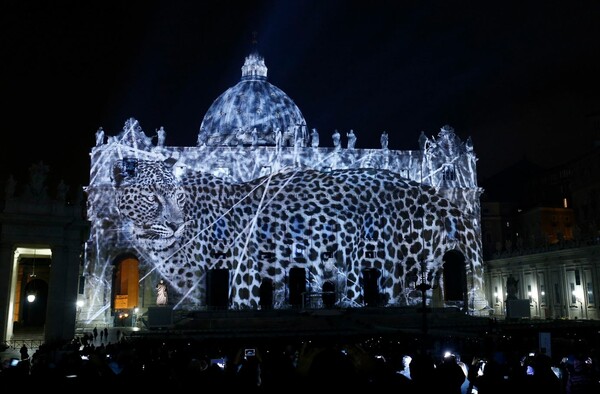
x: 262, y: 211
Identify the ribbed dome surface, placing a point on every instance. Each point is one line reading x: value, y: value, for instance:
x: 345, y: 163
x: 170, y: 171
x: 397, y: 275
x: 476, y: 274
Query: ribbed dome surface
x: 252, y: 104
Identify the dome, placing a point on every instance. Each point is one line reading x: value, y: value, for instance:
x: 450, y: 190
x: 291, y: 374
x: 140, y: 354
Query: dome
x: 252, y: 112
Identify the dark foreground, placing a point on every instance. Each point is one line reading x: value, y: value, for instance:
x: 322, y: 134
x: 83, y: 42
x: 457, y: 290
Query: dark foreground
x: 352, y: 350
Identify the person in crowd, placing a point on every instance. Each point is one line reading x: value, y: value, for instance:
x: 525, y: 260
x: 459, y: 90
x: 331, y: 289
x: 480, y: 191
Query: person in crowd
x: 581, y: 377
x: 449, y: 376
x: 24, y: 351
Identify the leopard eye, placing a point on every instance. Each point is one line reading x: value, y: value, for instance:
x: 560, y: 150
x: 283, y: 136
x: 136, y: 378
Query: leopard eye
x: 148, y: 196
x: 179, y: 194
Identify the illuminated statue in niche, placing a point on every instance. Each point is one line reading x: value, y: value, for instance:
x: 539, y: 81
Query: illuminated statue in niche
x: 254, y: 137
x: 161, y: 293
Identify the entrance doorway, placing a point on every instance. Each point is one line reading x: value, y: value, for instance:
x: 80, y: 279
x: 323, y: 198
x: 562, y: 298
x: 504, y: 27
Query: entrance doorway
x: 217, y: 287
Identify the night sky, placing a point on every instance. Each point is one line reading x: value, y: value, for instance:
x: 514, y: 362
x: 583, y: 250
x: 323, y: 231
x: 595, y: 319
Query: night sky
x: 521, y: 78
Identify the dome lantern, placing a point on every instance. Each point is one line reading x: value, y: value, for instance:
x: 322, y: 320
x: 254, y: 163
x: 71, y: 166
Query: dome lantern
x: 254, y: 68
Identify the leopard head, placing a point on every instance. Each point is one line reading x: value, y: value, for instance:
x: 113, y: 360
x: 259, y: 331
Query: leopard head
x: 151, y: 201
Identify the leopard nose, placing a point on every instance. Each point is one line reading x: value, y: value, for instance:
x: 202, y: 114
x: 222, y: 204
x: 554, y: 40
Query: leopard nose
x: 173, y: 226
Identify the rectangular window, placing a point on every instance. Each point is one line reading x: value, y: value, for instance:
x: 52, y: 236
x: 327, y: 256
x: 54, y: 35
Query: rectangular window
x: 450, y: 226
x: 220, y: 229
x: 590, y: 294
x: 541, y: 280
x: 265, y: 229
x: 326, y: 255
x: 573, y: 296
x: 265, y: 170
x: 542, y: 295
x: 265, y: 255
x: 300, y: 247
x: 221, y: 172
x: 368, y: 227
x: 130, y: 166
x: 370, y: 251
x: 448, y: 173
x: 81, y: 284
x: 219, y: 254
x: 556, y: 294
x: 298, y: 227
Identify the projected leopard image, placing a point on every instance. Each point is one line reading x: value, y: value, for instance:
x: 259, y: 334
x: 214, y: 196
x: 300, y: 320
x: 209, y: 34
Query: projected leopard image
x: 334, y: 225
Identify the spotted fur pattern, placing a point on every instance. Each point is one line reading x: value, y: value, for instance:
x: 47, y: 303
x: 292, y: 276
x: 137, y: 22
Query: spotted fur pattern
x: 333, y: 224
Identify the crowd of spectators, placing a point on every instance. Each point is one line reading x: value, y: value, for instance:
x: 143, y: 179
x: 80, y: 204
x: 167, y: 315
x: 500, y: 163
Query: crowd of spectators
x: 450, y: 365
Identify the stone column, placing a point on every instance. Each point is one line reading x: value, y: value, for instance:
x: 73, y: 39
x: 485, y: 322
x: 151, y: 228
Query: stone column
x: 7, y: 279
x: 62, y: 293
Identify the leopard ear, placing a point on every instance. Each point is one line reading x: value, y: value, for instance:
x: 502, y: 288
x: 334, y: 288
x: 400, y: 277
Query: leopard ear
x: 176, y: 170
x: 170, y: 162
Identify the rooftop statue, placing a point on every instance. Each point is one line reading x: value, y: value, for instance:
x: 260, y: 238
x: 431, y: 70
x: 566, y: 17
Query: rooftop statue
x: 99, y: 136
x: 351, y: 139
x: 384, y: 140
x: 161, y: 136
x: 336, y: 139
x: 315, y: 138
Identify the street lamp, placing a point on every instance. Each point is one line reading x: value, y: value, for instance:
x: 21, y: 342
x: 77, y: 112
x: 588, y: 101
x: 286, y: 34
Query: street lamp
x: 32, y: 277
x: 136, y: 310
x: 423, y: 287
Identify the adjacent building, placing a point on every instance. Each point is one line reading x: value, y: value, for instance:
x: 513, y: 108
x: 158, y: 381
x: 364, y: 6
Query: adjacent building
x: 542, y: 227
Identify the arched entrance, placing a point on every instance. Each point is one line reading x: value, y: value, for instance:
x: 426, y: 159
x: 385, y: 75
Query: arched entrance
x: 328, y: 290
x: 31, y: 301
x: 125, y: 289
x: 126, y: 279
x: 34, y: 303
x: 217, y: 287
x: 455, y: 278
x: 370, y: 284
x: 297, y: 286
x: 266, y: 293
